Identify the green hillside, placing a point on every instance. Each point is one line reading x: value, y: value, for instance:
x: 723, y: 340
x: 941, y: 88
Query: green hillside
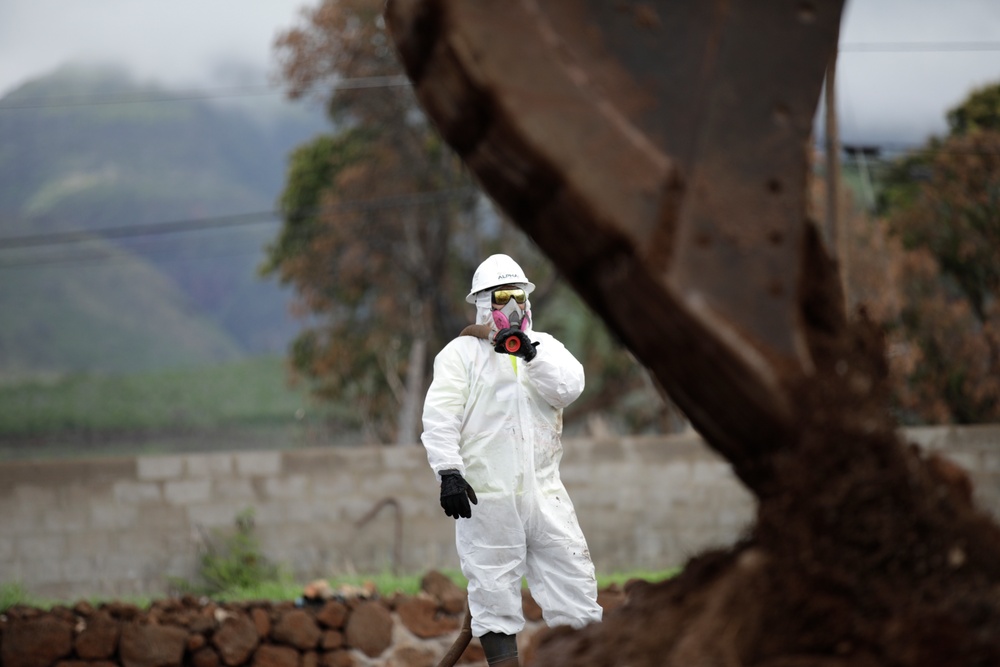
x: 239, y: 405
x: 118, y: 314
x: 80, y: 150
x: 85, y: 133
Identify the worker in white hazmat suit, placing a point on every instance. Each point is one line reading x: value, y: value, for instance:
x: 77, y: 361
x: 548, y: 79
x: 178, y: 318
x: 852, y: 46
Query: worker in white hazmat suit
x: 492, y: 422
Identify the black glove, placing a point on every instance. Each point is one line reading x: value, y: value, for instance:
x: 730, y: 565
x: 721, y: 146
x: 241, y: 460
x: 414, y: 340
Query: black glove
x: 456, y: 494
x: 516, y: 342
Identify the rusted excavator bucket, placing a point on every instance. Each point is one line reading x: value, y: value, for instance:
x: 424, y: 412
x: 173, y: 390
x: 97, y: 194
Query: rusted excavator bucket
x: 657, y: 152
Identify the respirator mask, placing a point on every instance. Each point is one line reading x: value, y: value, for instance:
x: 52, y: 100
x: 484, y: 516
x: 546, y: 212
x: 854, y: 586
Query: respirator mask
x: 513, y: 312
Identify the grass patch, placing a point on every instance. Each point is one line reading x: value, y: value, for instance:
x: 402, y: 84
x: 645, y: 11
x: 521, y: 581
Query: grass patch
x: 15, y: 595
x: 12, y: 594
x: 240, y: 405
x: 620, y: 578
x: 386, y: 584
x: 248, y: 392
x: 284, y: 589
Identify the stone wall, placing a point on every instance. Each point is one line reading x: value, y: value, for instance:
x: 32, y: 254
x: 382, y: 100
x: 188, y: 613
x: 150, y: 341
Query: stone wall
x: 114, y: 527
x: 329, y: 631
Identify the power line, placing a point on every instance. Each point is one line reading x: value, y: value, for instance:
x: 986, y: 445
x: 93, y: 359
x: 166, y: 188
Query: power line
x: 70, y: 101
x: 273, y: 216
x: 125, y: 231
x: 390, y: 81
x: 108, y: 256
x: 895, y: 148
x: 917, y: 47
x: 218, y: 222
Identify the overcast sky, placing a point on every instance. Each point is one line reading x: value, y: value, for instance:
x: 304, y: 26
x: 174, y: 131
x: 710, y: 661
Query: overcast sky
x: 885, y: 96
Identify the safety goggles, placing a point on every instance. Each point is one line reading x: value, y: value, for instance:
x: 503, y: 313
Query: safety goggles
x: 504, y: 295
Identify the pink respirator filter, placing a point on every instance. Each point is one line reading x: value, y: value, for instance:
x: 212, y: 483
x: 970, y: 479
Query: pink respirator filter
x: 503, y: 322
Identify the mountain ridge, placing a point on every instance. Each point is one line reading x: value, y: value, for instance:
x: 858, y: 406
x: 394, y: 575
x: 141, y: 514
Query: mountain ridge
x: 147, y: 300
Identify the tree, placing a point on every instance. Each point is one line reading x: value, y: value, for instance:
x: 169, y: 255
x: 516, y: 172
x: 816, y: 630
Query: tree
x: 383, y: 228
x: 980, y: 111
x: 943, y: 204
x: 372, y: 214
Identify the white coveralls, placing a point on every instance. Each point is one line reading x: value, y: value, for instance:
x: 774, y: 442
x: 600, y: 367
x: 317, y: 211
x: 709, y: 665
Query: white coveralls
x: 498, y: 420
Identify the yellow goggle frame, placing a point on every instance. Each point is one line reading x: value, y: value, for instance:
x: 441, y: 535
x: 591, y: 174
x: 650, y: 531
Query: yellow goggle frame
x: 502, y: 296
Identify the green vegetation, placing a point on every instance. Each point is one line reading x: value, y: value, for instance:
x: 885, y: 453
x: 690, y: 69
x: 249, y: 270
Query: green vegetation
x: 387, y: 584
x: 247, y: 401
x: 233, y: 562
x: 941, y: 204
x: 154, y: 300
x: 12, y: 594
x: 197, y: 397
x: 233, y: 569
x: 283, y: 588
x: 621, y: 578
x: 118, y: 315
x: 384, y: 583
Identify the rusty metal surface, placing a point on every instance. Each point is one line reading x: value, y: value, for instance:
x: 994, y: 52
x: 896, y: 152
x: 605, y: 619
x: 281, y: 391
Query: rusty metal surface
x: 656, y: 152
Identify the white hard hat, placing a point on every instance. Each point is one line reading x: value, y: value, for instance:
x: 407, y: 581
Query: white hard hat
x: 498, y: 270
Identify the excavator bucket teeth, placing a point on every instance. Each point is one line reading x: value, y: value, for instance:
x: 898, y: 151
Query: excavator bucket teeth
x: 657, y: 152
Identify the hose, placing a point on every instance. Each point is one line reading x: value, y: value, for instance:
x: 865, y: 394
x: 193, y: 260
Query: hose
x: 461, y: 642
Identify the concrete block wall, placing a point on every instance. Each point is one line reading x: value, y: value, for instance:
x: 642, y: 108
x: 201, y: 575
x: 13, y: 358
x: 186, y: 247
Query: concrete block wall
x: 974, y: 448
x: 650, y: 503
x: 112, y: 527
x: 126, y: 526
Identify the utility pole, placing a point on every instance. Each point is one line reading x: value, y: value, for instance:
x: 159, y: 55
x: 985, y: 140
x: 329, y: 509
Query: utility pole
x: 835, y: 233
